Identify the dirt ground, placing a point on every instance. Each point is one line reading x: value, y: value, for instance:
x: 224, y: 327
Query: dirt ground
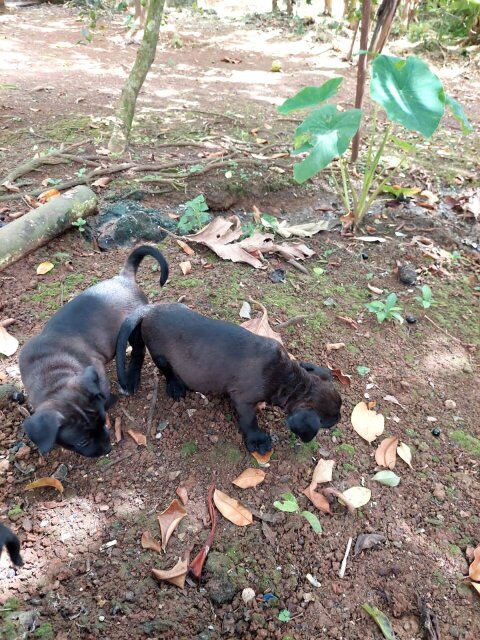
x: 85, y: 573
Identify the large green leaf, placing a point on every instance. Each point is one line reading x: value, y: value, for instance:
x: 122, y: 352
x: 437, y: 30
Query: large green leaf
x: 459, y: 114
x: 328, y: 132
x: 409, y: 92
x: 311, y: 96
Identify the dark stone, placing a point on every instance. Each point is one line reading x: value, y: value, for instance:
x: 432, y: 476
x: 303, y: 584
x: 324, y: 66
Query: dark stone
x: 18, y: 396
x: 277, y: 276
x: 407, y: 274
x: 411, y: 319
x: 220, y: 590
x: 153, y: 627
x: 364, y: 255
x: 436, y: 432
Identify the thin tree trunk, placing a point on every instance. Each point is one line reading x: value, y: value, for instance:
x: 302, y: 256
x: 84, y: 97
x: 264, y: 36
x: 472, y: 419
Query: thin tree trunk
x: 385, y: 15
x: 144, y: 60
x: 361, y: 70
x: 328, y: 10
x: 2, y: 6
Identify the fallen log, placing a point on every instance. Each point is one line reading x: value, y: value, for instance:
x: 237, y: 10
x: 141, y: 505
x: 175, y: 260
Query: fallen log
x: 38, y: 226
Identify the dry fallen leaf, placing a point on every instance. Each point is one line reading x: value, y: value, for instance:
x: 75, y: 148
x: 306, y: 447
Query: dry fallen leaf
x: 476, y: 586
x: 187, y: 248
x: 318, y: 500
x: 8, y: 343
x: 343, y: 378
x: 169, y: 519
x: 404, y: 452
x: 322, y: 472
x: 48, y: 195
x: 374, y: 289
x: 182, y: 494
x: 10, y: 186
x: 474, y: 570
x: 305, y: 230
x: 393, y: 400
x: 367, y: 423
x: 249, y: 478
x: 262, y: 459
x: 260, y: 325
x: 386, y: 453
x: 137, y: 437
x: 102, y: 182
x: 357, y: 496
x: 231, y: 509
x: 186, y: 267
x: 149, y: 542
x: 367, y: 541
x: 334, y: 346
x: 176, y: 575
x: 45, y: 482
x: 44, y: 267
x: 102, y: 151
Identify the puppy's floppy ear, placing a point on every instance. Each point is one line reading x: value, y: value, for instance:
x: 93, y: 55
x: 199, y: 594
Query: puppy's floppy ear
x: 321, y: 372
x: 12, y: 544
x: 90, y: 382
x: 42, y: 428
x: 304, y: 423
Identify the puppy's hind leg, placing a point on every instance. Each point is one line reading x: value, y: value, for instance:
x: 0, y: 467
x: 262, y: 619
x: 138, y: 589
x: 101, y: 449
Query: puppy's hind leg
x: 255, y: 438
x: 176, y: 388
x: 136, y: 359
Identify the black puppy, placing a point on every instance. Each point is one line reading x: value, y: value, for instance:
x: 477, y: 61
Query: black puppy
x: 201, y: 354
x: 10, y: 541
x: 63, y: 368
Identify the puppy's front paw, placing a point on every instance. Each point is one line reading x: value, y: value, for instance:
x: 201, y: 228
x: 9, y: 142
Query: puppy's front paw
x: 176, y: 389
x: 258, y: 441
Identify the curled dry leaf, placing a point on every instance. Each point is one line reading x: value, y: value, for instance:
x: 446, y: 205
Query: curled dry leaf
x: 231, y: 509
x: 186, y: 247
x: 169, y: 519
x: 264, y: 459
x: 137, y: 437
x: 357, y: 496
x: 343, y: 378
x: 44, y: 267
x: 8, y: 343
x: 374, y: 289
x: 331, y: 491
x: 367, y: 423
x: 404, y: 452
x: 317, y: 499
x: 249, y: 478
x: 10, y: 186
x: 176, y: 575
x: 102, y: 182
x: 149, y: 542
x: 45, y: 482
x: 260, y: 325
x: 196, y: 566
x: 393, y: 400
x: 474, y: 570
x: 322, y: 472
x: 334, y: 346
x: 386, y: 453
x: 182, y: 494
x: 350, y: 322
x: 48, y: 195
x: 186, y: 267
x: 367, y: 541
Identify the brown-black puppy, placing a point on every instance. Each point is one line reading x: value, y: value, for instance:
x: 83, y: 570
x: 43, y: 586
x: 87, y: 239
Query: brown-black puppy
x: 12, y: 544
x: 63, y: 368
x: 212, y: 356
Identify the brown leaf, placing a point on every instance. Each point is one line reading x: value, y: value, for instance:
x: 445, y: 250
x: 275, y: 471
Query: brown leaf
x: 257, y: 215
x: 367, y: 423
x: 45, y: 482
x: 10, y: 186
x: 230, y: 60
x: 8, y: 343
x: 367, y: 541
x: 343, y: 378
x: 331, y: 491
x: 334, y: 346
x: 186, y: 247
x: 322, y: 472
x: 182, y: 494
x: 137, y: 437
x: 474, y: 570
x: 349, y: 321
x: 44, y: 267
x: 102, y: 182
x: 386, y: 453
x: 249, y: 478
x: 262, y: 459
x: 186, y: 267
x: 176, y: 575
x: 118, y: 429
x: 48, y: 195
x: 231, y: 509
x: 169, y: 519
x: 269, y: 533
x: 374, y: 289
x: 149, y: 542
x: 318, y: 500
x: 260, y: 325
x: 404, y: 452
x: 102, y: 151
x: 196, y: 566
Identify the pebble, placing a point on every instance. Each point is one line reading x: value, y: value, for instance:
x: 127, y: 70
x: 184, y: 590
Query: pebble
x: 410, y: 319
x: 4, y: 465
x: 407, y: 274
x: 101, y: 618
x: 103, y: 507
x: 439, y: 491
x: 23, y: 453
x: 27, y: 525
x: 248, y: 594
x: 129, y: 596
x: 450, y: 404
x: 61, y: 473
x: 436, y: 432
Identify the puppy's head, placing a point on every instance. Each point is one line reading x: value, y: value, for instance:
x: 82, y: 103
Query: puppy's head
x: 75, y: 421
x: 320, y: 409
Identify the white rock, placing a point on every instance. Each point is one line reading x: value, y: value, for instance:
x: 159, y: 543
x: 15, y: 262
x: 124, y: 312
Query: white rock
x: 248, y: 594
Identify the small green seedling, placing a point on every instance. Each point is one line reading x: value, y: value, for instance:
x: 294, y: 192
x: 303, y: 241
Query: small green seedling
x: 386, y: 310
x: 290, y: 505
x: 426, y: 299
x: 284, y: 615
x: 80, y: 223
x: 195, y: 216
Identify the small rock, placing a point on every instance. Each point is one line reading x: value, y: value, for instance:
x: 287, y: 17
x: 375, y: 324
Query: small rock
x: 4, y: 465
x: 220, y: 590
x: 173, y: 475
x: 101, y: 618
x: 129, y: 596
x: 191, y: 412
x: 450, y: 404
x: 407, y: 274
x: 436, y: 432
x: 410, y: 319
x: 467, y: 368
x: 277, y: 276
x: 439, y: 491
x: 228, y: 624
x: 23, y: 453
x: 103, y: 507
x: 27, y: 525
x: 248, y: 594
x: 364, y: 255
x: 61, y: 473
x: 405, y: 385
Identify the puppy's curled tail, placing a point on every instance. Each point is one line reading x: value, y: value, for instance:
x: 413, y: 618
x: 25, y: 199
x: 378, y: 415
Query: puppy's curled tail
x: 134, y: 259
x: 126, y: 329
x: 12, y: 544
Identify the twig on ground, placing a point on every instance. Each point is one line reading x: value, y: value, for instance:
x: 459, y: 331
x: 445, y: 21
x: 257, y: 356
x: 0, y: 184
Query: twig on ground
x: 466, y: 345
x: 153, y: 404
x: 291, y: 321
x: 127, y: 415
x: 121, y: 459
x: 343, y: 566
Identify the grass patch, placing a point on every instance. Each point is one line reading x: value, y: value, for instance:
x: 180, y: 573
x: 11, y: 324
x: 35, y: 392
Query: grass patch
x: 189, y: 449
x: 348, y: 449
x: 468, y: 443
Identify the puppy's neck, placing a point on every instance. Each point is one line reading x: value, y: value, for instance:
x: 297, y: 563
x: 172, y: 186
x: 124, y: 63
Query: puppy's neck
x: 289, y: 384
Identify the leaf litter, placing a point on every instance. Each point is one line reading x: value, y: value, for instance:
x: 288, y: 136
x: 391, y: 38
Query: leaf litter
x: 260, y: 325
x: 367, y: 423
x: 8, y: 343
x: 169, y: 520
x: 45, y: 482
x: 249, y: 478
x: 176, y: 575
x: 404, y: 452
x: 148, y: 542
x: 386, y: 453
x: 196, y: 566
x: 232, y: 509
x: 367, y: 541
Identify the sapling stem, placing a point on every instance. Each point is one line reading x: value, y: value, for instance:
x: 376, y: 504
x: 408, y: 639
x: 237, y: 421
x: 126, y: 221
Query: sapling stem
x: 343, y: 171
x: 340, y: 192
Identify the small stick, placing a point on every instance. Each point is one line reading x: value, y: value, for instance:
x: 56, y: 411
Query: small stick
x: 290, y: 321
x: 469, y: 347
x: 153, y: 404
x: 298, y: 266
x: 127, y: 415
x: 114, y: 462
x: 343, y: 567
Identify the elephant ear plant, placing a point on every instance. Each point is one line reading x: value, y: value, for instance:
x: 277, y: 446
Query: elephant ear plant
x: 410, y: 94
